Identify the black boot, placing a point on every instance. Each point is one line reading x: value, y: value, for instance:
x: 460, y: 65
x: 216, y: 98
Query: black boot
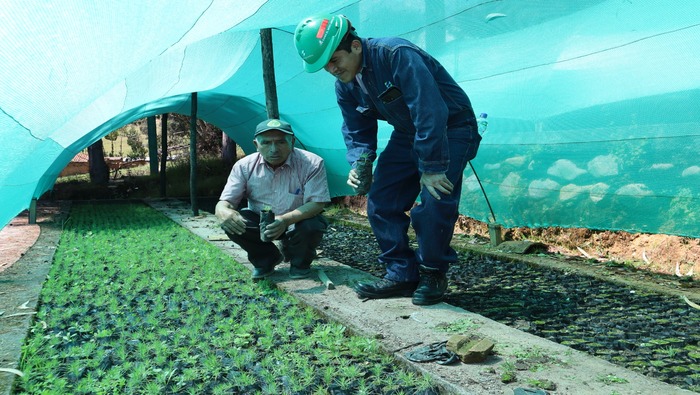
x: 262, y: 270
x: 385, y: 288
x: 431, y: 287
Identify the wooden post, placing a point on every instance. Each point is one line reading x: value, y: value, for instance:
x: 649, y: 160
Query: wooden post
x: 152, y: 144
x: 268, y: 62
x: 32, y: 212
x: 99, y: 171
x: 193, y: 155
x: 495, y: 234
x: 163, y: 153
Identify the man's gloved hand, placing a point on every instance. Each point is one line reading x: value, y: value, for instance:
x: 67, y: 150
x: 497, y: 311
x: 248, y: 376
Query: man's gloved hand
x: 360, y: 177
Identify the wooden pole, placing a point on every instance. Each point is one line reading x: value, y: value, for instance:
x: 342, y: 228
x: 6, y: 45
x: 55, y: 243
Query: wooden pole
x: 268, y: 61
x: 163, y: 153
x: 152, y: 144
x: 193, y: 155
x: 32, y: 212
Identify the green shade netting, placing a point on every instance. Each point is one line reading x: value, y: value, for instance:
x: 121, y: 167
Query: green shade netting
x: 593, y: 105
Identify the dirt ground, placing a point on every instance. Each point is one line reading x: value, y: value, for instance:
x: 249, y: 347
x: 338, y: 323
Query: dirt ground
x: 19, y: 235
x: 653, y: 253
x: 650, y: 252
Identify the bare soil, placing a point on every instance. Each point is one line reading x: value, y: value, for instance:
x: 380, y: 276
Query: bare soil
x: 19, y: 235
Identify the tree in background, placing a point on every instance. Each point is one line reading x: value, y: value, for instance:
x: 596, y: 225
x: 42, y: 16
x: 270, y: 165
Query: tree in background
x: 99, y: 172
x: 134, y: 138
x: 209, y: 137
x: 211, y: 141
x: 112, y: 137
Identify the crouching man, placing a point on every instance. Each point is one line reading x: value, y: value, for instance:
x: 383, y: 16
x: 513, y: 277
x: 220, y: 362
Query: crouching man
x: 289, y: 181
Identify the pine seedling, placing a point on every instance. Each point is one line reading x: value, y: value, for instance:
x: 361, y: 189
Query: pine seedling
x: 407, y: 377
x: 223, y: 389
x: 319, y: 390
x: 328, y: 374
x: 351, y: 371
x: 363, y: 388
x: 345, y: 383
x: 153, y: 388
x: 377, y: 370
x: 271, y: 388
x: 212, y: 366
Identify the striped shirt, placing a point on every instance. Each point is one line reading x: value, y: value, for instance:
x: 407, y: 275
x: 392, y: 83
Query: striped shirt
x: 299, y: 180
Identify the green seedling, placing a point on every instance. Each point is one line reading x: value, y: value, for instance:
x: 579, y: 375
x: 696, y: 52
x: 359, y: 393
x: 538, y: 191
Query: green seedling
x: 544, y: 384
x: 351, y: 371
x: 612, y: 379
x: 363, y: 388
x: 460, y: 326
x: 328, y: 374
x: 377, y: 370
x: 530, y: 353
x: 671, y: 351
x: 163, y: 317
x: 508, y: 372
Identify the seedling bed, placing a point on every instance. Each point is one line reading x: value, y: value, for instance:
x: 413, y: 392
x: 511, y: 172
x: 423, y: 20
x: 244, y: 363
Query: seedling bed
x: 654, y: 334
x: 134, y: 304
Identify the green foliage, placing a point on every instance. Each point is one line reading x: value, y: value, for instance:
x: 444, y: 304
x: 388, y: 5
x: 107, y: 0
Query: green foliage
x: 136, y: 304
x: 112, y: 136
x: 135, y: 141
x: 460, y: 326
x: 211, y: 173
x: 671, y: 351
x: 211, y: 178
x: 508, y: 372
x: 612, y: 379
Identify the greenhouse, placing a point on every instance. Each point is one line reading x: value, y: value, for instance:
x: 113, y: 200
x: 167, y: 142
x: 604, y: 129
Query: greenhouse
x: 591, y: 108
x: 592, y: 134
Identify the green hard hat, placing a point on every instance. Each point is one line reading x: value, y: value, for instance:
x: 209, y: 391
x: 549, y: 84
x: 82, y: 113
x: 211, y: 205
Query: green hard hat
x: 317, y: 37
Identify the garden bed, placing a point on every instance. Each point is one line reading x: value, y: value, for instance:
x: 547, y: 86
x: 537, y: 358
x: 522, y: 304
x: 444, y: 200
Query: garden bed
x: 395, y: 322
x: 520, y: 359
x: 134, y: 304
x: 653, y: 333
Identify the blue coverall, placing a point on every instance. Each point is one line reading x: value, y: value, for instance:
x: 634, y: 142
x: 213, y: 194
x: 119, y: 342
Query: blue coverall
x: 435, y: 131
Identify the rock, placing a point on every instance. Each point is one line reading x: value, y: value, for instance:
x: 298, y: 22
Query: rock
x: 455, y: 342
x: 470, y: 349
x: 570, y: 191
x: 510, y: 185
x: 691, y: 171
x: 634, y: 190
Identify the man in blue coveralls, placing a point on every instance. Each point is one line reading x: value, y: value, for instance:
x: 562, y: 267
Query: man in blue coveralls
x: 434, y: 137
